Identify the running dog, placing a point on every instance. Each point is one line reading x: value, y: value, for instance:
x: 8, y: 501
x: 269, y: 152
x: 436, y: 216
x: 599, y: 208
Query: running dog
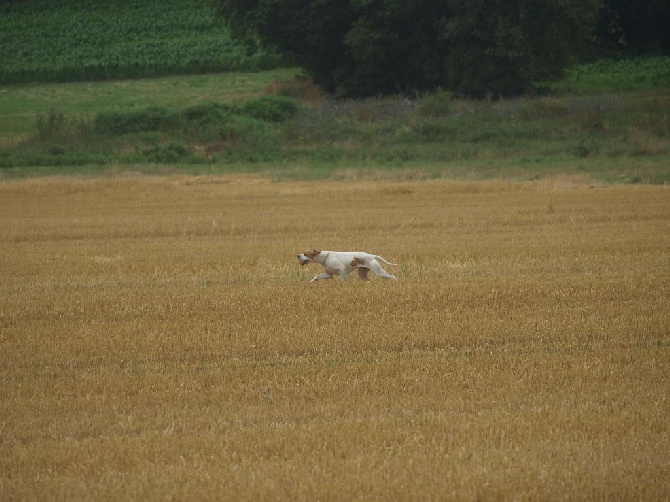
x: 343, y: 262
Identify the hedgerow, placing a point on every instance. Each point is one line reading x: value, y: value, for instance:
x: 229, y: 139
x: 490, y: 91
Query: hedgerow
x: 264, y: 109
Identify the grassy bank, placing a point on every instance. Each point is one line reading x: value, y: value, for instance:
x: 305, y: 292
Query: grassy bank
x: 610, y: 135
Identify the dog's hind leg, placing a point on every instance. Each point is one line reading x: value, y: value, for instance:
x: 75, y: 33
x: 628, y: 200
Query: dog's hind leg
x: 378, y: 270
x: 363, y: 273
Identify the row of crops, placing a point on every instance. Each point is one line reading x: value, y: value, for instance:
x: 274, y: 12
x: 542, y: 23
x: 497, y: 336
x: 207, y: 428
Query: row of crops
x: 69, y: 40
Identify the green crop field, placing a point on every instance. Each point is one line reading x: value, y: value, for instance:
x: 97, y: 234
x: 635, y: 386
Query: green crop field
x: 73, y: 40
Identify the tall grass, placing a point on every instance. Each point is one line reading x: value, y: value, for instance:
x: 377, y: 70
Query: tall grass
x: 523, y: 353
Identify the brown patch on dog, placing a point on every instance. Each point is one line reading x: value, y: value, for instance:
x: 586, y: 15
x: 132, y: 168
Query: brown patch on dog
x: 357, y: 262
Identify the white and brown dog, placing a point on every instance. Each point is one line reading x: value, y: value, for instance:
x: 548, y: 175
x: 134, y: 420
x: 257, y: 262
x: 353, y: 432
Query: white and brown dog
x: 343, y: 262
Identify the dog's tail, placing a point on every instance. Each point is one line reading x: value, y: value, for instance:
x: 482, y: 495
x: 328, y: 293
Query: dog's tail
x: 384, y: 260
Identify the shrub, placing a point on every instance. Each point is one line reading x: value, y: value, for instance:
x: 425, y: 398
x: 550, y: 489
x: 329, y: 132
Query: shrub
x: 271, y: 108
x: 173, y: 153
x: 208, y: 113
x: 436, y: 104
x: 147, y: 119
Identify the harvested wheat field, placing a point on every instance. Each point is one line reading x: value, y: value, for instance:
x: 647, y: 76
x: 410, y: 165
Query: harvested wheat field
x: 160, y: 341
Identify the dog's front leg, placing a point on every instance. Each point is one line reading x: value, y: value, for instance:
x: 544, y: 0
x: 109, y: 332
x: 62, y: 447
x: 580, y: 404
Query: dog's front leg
x: 321, y: 276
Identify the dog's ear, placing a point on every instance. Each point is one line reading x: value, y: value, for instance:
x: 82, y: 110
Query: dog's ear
x: 315, y: 251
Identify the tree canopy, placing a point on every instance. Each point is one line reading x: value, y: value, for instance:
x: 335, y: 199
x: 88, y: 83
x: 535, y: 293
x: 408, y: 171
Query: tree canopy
x: 637, y: 26
x: 475, y: 48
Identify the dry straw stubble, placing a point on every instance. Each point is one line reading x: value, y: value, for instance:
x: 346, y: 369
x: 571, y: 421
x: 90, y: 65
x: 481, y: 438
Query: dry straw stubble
x: 159, y: 340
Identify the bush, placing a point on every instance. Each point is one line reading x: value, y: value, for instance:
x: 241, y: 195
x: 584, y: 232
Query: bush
x: 174, y: 153
x: 198, y: 119
x: 147, y: 119
x: 436, y: 104
x: 208, y: 113
x: 271, y: 108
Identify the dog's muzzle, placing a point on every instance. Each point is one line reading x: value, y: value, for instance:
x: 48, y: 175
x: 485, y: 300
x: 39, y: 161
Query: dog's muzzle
x: 303, y: 259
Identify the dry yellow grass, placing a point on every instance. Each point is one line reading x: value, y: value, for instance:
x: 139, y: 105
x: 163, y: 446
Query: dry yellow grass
x: 159, y: 341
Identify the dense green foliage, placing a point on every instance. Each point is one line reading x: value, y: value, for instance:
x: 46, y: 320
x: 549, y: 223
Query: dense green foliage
x: 71, y: 40
x: 369, y: 47
x: 505, y: 48
x: 634, y: 26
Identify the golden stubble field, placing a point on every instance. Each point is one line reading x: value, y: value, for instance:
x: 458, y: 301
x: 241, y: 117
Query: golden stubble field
x: 159, y: 341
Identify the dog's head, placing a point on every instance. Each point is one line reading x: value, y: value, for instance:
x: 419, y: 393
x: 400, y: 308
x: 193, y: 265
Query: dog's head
x: 308, y: 256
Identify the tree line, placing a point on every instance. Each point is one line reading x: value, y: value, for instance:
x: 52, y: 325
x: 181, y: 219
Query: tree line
x: 473, y: 48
